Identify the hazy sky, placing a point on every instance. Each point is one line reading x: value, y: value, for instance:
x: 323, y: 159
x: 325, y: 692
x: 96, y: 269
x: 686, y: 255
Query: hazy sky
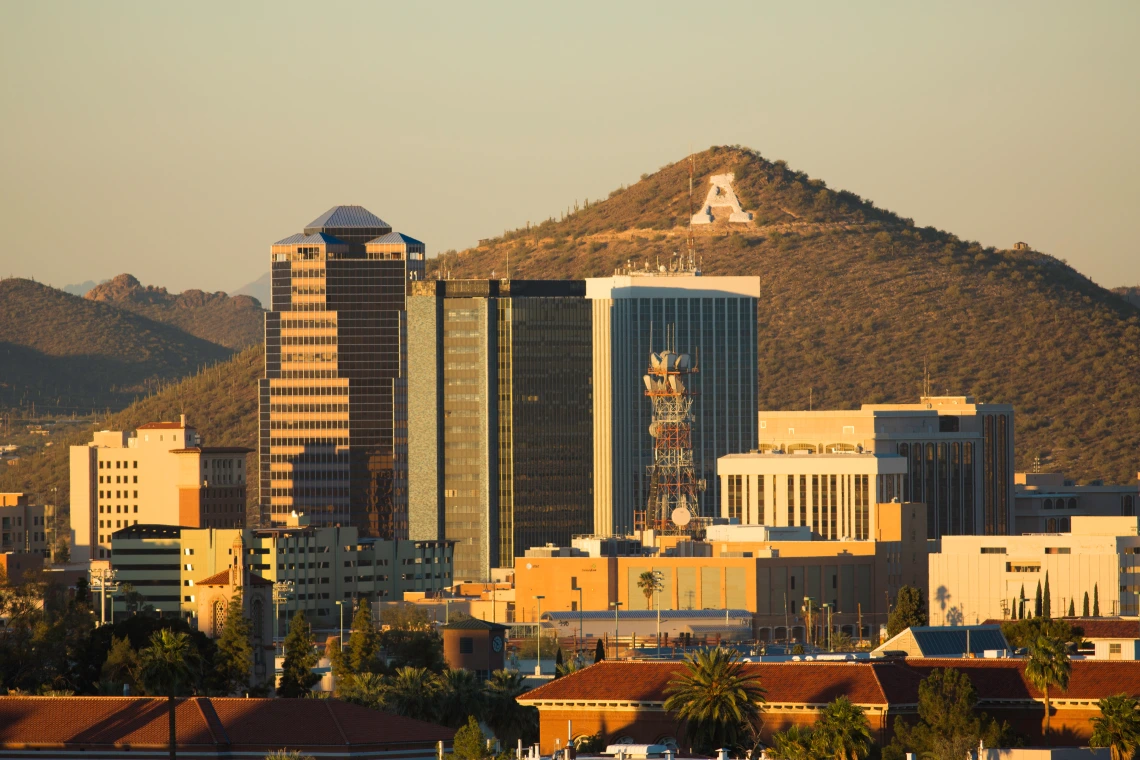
x: 177, y: 141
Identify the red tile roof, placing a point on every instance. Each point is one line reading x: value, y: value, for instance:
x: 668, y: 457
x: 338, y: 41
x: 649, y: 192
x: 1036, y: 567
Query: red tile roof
x: 223, y: 579
x: 105, y: 722
x: 785, y: 682
x: 868, y: 683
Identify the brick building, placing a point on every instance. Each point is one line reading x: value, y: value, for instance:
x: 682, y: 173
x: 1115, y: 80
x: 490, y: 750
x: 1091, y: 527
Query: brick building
x: 624, y: 701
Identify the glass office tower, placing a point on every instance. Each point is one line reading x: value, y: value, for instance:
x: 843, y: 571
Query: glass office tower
x: 333, y: 422
x: 713, y: 319
x: 499, y: 417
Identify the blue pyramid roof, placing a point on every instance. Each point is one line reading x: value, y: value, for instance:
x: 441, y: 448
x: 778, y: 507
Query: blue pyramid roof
x: 320, y: 238
x: 396, y: 237
x: 342, y: 217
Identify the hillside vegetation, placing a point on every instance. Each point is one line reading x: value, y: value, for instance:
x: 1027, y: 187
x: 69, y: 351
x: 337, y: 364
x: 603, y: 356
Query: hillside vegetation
x: 854, y: 300
x: 231, y: 321
x: 221, y: 402
x: 67, y: 354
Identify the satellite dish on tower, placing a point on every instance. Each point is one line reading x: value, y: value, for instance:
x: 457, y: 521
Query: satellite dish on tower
x: 681, y: 517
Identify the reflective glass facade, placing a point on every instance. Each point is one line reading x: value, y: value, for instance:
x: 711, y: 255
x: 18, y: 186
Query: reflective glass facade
x: 719, y: 332
x: 500, y: 429
x: 333, y: 422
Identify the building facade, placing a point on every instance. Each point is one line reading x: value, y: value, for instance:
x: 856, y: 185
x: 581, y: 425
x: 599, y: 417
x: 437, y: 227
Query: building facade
x: 735, y: 569
x: 975, y: 578
x: 1046, y: 502
x: 500, y: 418
x: 23, y: 525
x: 959, y: 454
x: 324, y: 565
x: 161, y: 474
x: 830, y: 493
x: 713, y: 320
x: 333, y: 429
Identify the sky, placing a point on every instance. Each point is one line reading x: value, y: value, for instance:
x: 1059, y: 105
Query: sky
x: 177, y: 141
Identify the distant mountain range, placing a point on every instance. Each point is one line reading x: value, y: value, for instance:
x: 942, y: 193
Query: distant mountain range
x: 259, y: 289
x: 856, y: 300
x: 62, y: 354
x: 232, y: 321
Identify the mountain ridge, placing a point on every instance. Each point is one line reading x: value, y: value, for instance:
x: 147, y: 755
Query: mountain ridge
x: 855, y: 300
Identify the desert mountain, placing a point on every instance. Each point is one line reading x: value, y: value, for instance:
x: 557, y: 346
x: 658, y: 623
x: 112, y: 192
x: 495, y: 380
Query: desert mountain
x: 231, y: 321
x: 69, y: 354
x: 855, y: 300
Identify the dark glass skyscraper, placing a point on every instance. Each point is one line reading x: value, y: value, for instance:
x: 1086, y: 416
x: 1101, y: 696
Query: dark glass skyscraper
x: 500, y: 431
x: 333, y: 422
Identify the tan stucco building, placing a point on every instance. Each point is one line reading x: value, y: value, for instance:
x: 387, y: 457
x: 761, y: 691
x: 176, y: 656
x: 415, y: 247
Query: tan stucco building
x: 1046, y: 502
x: 975, y: 578
x: 769, y: 578
x: 159, y: 475
x: 23, y: 526
x: 959, y: 454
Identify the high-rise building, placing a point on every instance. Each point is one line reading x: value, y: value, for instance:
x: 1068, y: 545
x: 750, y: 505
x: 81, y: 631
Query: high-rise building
x: 959, y: 454
x: 161, y: 474
x: 713, y: 320
x: 500, y: 432
x: 333, y: 432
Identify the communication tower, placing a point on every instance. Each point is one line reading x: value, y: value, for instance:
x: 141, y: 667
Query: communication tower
x: 673, y: 504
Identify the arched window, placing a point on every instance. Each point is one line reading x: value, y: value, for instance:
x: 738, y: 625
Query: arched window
x: 1048, y: 504
x: 219, y: 616
x: 1051, y: 525
x: 1072, y: 503
x: 1063, y: 524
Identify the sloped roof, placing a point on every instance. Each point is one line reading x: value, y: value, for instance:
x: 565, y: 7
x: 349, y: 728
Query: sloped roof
x: 346, y: 216
x: 318, y: 238
x: 206, y: 723
x: 473, y: 624
x: 943, y: 641
x: 785, y: 682
x: 223, y: 579
x: 395, y: 237
x: 867, y: 683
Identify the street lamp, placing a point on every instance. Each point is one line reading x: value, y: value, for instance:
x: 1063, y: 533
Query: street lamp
x: 658, y: 582
x: 538, y: 634
x: 581, y: 623
x: 827, y: 620
x: 616, y: 605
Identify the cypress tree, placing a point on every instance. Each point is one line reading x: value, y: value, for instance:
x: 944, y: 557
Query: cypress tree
x: 1072, y: 608
x: 599, y: 652
x: 1085, y: 607
x: 363, y: 642
x: 1096, y: 600
x: 1037, y: 601
x: 1046, y: 602
x: 297, y: 676
x: 558, y: 663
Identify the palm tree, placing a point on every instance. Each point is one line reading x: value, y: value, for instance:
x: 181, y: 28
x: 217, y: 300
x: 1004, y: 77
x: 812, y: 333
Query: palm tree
x: 842, y: 732
x: 167, y: 667
x: 460, y: 695
x: 1048, y: 665
x: 411, y: 693
x: 1118, y: 726
x: 717, y: 698
x: 792, y: 744
x: 366, y: 689
x: 649, y: 584
x: 505, y: 716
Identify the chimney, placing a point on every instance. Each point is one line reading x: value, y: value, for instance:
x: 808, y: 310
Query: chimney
x: 182, y: 420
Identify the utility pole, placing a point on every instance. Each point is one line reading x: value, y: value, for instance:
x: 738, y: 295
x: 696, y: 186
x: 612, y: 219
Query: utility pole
x: 616, y: 606
x: 538, y: 634
x: 658, y: 582
x: 859, y: 607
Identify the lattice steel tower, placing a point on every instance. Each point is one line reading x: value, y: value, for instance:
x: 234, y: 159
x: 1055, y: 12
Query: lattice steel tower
x: 673, y: 483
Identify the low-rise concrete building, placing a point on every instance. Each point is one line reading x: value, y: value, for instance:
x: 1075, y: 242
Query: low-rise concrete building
x: 23, y: 527
x: 323, y: 564
x: 975, y: 578
x: 1046, y: 502
x: 773, y: 579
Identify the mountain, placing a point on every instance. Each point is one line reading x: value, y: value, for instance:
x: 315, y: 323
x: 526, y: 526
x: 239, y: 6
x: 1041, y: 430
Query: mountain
x: 856, y: 300
x: 68, y: 354
x: 79, y: 288
x: 259, y: 289
x: 220, y: 401
x: 231, y: 321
